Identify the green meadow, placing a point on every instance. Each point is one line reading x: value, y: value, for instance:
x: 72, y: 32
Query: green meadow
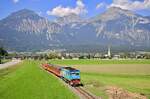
x: 94, y: 62
x: 96, y: 75
x: 97, y: 83
x: 28, y: 81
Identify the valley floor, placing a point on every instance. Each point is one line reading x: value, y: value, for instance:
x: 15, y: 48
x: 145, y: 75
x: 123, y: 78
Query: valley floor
x: 105, y: 78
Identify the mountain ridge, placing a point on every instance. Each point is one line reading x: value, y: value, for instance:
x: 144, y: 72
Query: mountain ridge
x: 27, y: 30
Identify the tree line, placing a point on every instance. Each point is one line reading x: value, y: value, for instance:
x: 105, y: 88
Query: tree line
x: 3, y: 53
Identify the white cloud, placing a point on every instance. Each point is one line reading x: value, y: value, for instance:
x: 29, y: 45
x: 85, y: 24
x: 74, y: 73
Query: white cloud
x: 131, y: 5
x: 64, y: 11
x: 100, y: 5
x: 15, y: 1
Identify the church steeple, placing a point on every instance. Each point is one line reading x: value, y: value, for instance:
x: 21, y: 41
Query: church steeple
x: 109, y: 52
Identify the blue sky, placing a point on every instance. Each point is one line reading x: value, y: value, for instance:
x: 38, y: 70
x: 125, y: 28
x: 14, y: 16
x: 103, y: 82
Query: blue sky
x: 86, y: 8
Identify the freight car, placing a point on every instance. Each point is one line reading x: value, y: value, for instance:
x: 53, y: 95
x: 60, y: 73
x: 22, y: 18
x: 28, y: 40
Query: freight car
x: 68, y: 74
x: 53, y: 69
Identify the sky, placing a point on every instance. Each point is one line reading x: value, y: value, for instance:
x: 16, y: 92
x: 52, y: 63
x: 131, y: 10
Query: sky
x: 86, y: 8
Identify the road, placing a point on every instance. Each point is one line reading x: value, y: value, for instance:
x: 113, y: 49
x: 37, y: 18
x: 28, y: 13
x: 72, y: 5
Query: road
x: 8, y: 64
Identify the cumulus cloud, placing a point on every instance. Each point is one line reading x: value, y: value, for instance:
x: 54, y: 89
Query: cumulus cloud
x: 131, y: 4
x: 15, y: 1
x: 64, y: 11
x: 100, y: 5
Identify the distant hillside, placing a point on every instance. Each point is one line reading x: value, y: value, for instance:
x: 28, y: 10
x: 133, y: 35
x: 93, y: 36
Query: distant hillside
x: 25, y: 30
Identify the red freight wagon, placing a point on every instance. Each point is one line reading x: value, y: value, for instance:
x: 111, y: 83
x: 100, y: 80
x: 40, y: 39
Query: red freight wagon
x: 52, y: 68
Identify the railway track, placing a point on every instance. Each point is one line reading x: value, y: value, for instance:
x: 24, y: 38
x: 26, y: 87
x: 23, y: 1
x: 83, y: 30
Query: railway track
x: 84, y: 93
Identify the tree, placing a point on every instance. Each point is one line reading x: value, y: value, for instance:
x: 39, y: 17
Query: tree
x: 53, y: 55
x: 3, y: 52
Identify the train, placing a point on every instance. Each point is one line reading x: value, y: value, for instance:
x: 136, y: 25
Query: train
x: 68, y: 74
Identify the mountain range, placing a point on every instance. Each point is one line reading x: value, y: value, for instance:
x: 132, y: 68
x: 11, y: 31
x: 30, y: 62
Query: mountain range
x: 25, y: 30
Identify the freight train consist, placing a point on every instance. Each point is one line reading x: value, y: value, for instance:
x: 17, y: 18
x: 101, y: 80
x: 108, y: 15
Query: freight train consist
x: 68, y: 74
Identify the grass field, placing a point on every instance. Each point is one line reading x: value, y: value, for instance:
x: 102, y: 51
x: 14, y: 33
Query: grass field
x: 95, y: 62
x: 131, y: 75
x: 132, y: 69
x: 28, y: 81
x: 97, y: 83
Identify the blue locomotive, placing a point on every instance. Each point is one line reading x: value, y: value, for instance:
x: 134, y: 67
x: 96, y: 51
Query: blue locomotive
x: 71, y: 75
x: 68, y: 74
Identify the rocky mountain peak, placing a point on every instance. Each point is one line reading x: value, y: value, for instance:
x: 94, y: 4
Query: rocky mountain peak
x: 117, y: 10
x: 115, y: 13
x: 24, y: 14
x: 28, y: 21
x: 73, y: 18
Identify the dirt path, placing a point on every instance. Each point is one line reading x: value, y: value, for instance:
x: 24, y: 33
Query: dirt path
x: 8, y: 64
x: 119, y: 93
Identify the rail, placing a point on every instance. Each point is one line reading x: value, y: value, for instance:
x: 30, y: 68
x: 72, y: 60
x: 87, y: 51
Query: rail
x: 84, y: 93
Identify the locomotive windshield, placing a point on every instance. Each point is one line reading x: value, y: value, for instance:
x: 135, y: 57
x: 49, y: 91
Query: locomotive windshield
x: 75, y: 74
